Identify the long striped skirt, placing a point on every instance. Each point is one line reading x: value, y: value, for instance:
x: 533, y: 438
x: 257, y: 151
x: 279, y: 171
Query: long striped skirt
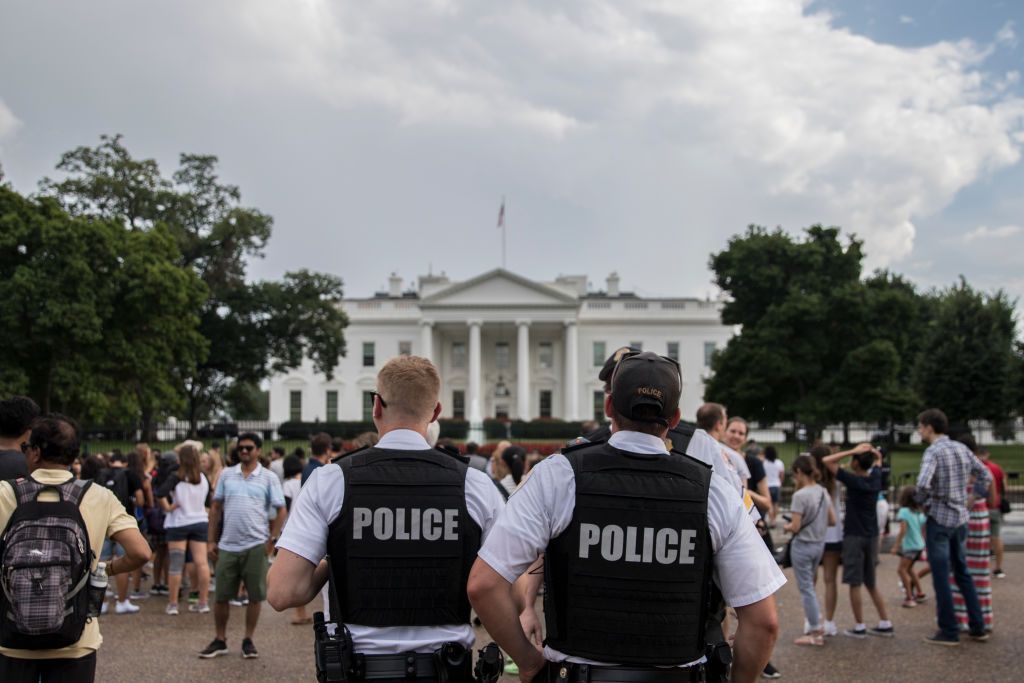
x: 978, y: 544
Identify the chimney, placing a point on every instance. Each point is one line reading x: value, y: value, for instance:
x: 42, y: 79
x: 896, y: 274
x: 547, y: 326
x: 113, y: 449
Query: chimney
x: 613, y: 284
x: 395, y: 286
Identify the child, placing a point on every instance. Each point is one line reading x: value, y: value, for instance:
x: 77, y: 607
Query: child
x: 909, y: 545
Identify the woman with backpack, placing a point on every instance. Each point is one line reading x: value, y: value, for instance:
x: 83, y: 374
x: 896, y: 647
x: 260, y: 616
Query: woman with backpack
x: 185, y: 496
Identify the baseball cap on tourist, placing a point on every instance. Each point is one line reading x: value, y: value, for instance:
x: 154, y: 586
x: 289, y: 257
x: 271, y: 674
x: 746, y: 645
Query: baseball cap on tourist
x: 646, y: 379
x: 609, y: 365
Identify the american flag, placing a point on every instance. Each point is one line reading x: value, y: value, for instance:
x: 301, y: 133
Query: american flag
x: 501, y: 215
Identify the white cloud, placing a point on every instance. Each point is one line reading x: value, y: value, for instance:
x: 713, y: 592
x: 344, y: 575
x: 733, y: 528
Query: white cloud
x: 1006, y: 35
x: 904, y: 19
x: 771, y: 109
x: 985, y: 233
x: 8, y: 121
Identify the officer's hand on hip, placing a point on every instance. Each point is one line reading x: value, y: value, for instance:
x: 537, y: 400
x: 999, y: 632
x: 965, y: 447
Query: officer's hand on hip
x: 531, y: 627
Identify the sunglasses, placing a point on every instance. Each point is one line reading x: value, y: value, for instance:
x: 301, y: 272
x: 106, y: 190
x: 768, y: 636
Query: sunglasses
x: 246, y: 448
x: 25, y: 445
x: 383, y: 403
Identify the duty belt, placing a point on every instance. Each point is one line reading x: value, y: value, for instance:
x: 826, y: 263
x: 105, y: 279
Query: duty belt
x: 408, y: 665
x: 567, y: 672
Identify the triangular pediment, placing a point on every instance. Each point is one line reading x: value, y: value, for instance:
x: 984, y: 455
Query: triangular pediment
x: 499, y: 287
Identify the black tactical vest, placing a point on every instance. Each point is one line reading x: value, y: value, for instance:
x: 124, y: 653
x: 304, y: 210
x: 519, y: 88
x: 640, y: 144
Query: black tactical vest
x: 401, y: 549
x: 629, y: 580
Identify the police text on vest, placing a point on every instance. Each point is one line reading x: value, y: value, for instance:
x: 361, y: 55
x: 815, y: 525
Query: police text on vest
x: 635, y: 544
x: 406, y: 524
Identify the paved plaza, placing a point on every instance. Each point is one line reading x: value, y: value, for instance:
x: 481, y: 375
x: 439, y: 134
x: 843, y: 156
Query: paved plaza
x: 151, y: 646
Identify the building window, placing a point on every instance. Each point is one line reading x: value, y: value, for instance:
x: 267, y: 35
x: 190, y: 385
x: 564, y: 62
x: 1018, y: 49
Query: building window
x: 599, y: 354
x: 405, y: 348
x: 295, y: 406
x: 332, y: 406
x: 367, y: 406
x: 501, y: 355
x: 545, y: 403
x: 546, y: 355
x: 501, y: 411
x: 599, y: 406
x: 369, y: 359
x: 673, y: 351
x: 709, y: 352
x: 459, y: 355
x: 459, y: 404
x: 639, y: 345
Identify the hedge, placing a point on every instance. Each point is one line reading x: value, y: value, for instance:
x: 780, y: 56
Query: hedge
x: 534, y: 429
x: 452, y: 429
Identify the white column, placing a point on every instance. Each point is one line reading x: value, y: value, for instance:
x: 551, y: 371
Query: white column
x: 474, y: 398
x: 572, y: 390
x: 523, y: 370
x: 427, y: 339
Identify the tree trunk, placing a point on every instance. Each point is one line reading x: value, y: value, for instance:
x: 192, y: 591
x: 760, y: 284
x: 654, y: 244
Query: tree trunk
x: 846, y: 433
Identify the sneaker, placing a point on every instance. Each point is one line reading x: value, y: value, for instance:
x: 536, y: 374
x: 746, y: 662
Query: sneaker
x: 138, y: 595
x: 249, y: 650
x: 831, y: 629
x: 201, y: 609
x: 909, y: 603
x: 939, y: 639
x: 215, y: 648
x: 171, y: 610
x: 238, y: 603
x: 193, y: 597
x: 106, y: 606
x: 511, y: 668
x: 126, y: 607
x: 856, y: 633
x: 979, y: 636
x: 159, y: 589
x: 921, y: 597
x: 999, y: 574
x: 887, y: 632
x: 770, y: 671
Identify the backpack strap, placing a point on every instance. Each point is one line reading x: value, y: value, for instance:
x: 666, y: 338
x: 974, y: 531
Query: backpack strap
x: 74, y: 490
x: 26, y: 489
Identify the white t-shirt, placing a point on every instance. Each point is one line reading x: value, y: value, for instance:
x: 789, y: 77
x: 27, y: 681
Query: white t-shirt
x: 291, y: 488
x: 542, y: 508
x: 774, y: 471
x: 834, y: 534
x: 191, y: 502
x: 319, y: 504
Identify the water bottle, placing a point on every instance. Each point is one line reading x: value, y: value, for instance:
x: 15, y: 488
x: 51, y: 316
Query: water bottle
x: 97, y: 589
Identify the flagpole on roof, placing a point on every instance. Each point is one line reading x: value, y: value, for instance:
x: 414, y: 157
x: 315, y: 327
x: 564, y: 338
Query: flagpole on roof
x: 501, y: 224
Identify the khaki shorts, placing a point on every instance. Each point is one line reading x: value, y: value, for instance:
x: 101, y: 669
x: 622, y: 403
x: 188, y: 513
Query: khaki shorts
x: 248, y: 566
x: 995, y: 522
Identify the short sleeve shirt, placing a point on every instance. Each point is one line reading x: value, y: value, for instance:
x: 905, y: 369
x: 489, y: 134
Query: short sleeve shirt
x: 12, y: 465
x: 861, y: 500
x: 104, y: 516
x: 247, y: 501
x: 542, y: 508
x: 913, y: 539
x: 812, y: 504
x: 319, y: 504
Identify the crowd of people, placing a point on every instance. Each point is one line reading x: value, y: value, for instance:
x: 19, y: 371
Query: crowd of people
x: 193, y: 520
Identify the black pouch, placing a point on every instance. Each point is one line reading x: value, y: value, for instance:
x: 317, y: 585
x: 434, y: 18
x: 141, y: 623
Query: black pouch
x: 454, y: 663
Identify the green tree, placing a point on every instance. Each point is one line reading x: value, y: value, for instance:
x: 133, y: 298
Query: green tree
x: 251, y: 328
x: 246, y: 401
x: 94, y: 319
x: 966, y: 360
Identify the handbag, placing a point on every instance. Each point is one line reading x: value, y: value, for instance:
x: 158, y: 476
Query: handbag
x: 1004, y: 503
x: 786, y: 560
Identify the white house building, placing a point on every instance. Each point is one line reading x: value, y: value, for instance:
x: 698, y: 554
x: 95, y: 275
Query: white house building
x: 505, y: 346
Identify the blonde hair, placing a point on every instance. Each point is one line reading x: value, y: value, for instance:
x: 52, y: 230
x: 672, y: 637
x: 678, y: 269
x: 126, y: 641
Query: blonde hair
x: 410, y: 386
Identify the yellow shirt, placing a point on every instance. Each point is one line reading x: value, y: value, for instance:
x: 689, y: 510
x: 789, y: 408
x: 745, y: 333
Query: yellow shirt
x: 104, y: 515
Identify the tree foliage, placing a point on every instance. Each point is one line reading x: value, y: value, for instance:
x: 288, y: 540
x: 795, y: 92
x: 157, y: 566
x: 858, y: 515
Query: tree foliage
x: 249, y: 329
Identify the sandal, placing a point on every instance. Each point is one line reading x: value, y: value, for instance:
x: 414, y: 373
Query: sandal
x: 909, y: 603
x: 815, y: 639
x: 302, y: 622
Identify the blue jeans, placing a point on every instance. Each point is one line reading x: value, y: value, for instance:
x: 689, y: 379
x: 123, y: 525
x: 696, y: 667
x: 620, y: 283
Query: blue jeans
x: 946, y: 553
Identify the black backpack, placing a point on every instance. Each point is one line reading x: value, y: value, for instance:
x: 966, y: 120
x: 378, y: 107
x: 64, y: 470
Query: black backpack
x: 45, y: 560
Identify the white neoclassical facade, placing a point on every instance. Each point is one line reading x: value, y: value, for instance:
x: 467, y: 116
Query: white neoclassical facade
x: 505, y: 346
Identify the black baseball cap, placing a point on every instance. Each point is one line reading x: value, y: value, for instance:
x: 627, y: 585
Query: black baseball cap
x: 609, y: 365
x: 646, y: 379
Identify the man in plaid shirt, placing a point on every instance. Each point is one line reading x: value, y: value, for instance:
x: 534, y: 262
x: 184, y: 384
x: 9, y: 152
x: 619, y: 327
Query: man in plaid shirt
x: 942, y: 489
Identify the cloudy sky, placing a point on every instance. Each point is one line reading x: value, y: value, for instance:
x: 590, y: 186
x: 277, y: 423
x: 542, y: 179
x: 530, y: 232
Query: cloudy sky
x: 630, y: 136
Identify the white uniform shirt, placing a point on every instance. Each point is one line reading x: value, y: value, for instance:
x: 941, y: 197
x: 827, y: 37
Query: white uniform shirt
x: 723, y: 463
x: 542, y: 508
x: 319, y: 503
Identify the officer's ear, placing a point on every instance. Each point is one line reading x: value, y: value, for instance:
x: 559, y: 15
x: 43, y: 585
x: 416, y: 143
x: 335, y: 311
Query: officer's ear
x: 437, y: 411
x: 608, y: 405
x: 674, y: 420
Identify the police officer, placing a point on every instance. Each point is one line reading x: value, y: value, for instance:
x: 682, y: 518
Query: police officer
x: 615, y: 519
x: 399, y: 524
